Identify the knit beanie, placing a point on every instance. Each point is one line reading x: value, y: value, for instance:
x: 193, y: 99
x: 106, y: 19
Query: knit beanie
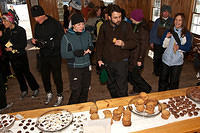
x: 77, y: 18
x: 166, y: 8
x: 37, y: 11
x: 76, y: 4
x: 137, y: 14
x: 8, y: 17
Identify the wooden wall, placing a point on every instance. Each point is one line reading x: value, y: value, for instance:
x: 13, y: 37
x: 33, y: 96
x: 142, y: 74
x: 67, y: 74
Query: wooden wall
x: 185, y: 6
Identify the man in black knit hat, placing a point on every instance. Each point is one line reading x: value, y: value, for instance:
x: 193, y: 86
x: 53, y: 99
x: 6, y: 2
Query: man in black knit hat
x: 48, y: 34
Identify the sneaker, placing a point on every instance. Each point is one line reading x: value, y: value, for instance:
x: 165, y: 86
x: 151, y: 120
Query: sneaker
x: 59, y: 101
x: 198, y: 75
x: 8, y: 106
x: 35, y: 93
x: 48, y: 98
x: 24, y: 94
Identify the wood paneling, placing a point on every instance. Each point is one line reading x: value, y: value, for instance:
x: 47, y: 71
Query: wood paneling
x: 50, y: 7
x: 184, y: 6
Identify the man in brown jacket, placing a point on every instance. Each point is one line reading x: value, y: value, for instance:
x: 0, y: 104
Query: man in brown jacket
x: 113, y: 44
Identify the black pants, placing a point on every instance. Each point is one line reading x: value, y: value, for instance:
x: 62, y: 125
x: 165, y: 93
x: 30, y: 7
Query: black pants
x: 117, y: 79
x: 197, y: 62
x: 139, y: 84
x: 80, y: 79
x: 21, y: 69
x: 157, y: 59
x: 169, y: 77
x: 6, y: 61
x: 3, y: 102
x: 48, y: 65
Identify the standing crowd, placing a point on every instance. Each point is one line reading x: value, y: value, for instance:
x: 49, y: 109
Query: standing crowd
x: 116, y: 44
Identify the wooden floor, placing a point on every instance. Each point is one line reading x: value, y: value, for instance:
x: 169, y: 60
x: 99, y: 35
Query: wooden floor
x: 97, y: 92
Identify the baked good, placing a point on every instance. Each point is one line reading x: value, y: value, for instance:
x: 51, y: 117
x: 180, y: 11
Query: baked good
x: 140, y: 108
x: 94, y: 116
x: 126, y: 123
x: 140, y: 101
x: 165, y: 114
x: 143, y: 95
x: 107, y: 114
x: 93, y: 109
x: 162, y: 106
x: 121, y: 109
x: 127, y: 112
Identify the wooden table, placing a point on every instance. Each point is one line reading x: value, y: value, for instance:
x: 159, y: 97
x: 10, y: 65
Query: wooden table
x: 186, y: 126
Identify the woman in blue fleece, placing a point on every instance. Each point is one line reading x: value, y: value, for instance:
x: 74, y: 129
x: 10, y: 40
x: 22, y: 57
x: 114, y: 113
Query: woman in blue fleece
x: 76, y: 45
x: 177, y: 41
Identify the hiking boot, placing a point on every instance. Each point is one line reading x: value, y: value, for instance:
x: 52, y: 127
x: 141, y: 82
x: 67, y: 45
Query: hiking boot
x: 48, y: 98
x: 35, y: 93
x: 59, y: 101
x: 24, y: 94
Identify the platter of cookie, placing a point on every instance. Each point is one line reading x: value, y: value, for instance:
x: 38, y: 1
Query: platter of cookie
x: 54, y: 120
x: 194, y: 94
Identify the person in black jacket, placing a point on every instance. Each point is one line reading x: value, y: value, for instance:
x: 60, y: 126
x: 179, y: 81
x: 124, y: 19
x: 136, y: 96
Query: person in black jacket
x: 48, y: 35
x: 3, y: 100
x: 16, y: 48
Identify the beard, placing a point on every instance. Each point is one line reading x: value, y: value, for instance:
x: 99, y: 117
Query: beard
x: 115, y: 23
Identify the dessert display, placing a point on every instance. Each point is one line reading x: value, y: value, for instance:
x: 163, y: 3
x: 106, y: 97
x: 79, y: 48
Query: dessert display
x: 27, y: 125
x: 193, y: 93
x: 6, y: 121
x: 54, y: 120
x: 144, y: 105
x: 77, y: 123
x: 180, y: 106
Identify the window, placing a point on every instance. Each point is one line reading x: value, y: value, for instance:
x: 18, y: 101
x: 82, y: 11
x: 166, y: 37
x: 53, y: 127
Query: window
x: 195, y: 26
x: 106, y: 2
x: 156, y: 9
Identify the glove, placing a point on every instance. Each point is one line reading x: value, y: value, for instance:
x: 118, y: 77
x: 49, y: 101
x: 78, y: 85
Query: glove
x: 79, y: 53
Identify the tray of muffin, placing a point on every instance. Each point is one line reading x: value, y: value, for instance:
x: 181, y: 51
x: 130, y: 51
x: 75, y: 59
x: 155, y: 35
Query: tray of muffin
x: 144, y: 105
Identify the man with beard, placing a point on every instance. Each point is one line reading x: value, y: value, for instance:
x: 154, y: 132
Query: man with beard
x: 113, y: 44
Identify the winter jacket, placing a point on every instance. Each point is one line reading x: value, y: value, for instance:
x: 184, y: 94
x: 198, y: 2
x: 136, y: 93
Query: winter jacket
x: 142, y: 36
x: 170, y: 57
x: 73, y: 43
x: 158, y: 29
x: 106, y: 50
x: 50, y: 31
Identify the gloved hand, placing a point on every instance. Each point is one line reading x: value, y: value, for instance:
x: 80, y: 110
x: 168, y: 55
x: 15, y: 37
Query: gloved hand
x: 79, y: 53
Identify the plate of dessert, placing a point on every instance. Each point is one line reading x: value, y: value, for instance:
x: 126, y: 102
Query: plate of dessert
x: 6, y: 121
x: 144, y: 105
x: 54, y: 120
x: 193, y: 93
